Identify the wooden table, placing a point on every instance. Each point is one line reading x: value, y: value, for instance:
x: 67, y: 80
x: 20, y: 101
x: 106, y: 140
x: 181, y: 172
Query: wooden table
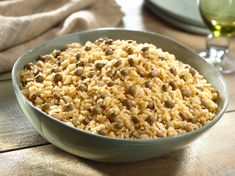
x: 24, y: 152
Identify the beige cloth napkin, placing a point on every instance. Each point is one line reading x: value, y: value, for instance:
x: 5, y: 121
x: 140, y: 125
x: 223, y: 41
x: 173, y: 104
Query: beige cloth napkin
x: 25, y: 24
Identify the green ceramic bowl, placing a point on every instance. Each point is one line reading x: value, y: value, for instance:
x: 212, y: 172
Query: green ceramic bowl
x: 100, y: 148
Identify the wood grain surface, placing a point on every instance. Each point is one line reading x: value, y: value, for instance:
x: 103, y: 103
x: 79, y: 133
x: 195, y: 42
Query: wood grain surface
x: 15, y: 130
x: 212, y: 154
x: 24, y: 152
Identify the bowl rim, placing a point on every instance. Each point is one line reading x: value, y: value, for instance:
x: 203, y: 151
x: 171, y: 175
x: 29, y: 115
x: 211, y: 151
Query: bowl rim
x: 113, y: 139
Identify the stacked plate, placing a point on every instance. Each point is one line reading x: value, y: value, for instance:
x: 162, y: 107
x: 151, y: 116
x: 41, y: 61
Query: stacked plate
x: 183, y: 14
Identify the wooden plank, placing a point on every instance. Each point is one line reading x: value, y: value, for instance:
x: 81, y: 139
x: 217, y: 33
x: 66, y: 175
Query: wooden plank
x: 5, y: 76
x: 15, y: 130
x: 212, y: 154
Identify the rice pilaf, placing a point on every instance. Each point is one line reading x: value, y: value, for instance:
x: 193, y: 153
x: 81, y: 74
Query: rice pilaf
x: 120, y: 88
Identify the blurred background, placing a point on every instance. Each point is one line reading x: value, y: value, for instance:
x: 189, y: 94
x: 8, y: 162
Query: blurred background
x: 28, y: 23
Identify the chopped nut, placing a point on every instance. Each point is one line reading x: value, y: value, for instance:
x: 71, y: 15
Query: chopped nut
x: 78, y: 56
x: 173, y: 71
x: 85, y: 121
x: 112, y: 114
x: 141, y: 74
x: 54, y: 70
x: 148, y: 84
x: 56, y: 53
x: 131, y: 62
x: 58, y: 77
x: 91, y: 74
x: 28, y: 66
x: 129, y: 50
x: 135, y: 119
x: 152, y: 74
x: 203, y: 103
x: 109, y: 42
x: 99, y: 65
x: 150, y: 105
x: 110, y: 83
x: 56, y: 95
x: 118, y: 63
x: 184, y: 77
x: 80, y: 64
x: 41, y: 58
x: 164, y: 87
x: 186, y: 92
x: 34, y: 96
x: 68, y: 107
x: 173, y: 85
x: 192, y: 71
x: 108, y: 52
x: 96, y: 110
x: 39, y: 78
x: 82, y: 87
x: 145, y: 48
x: 102, y: 132
x: 150, y: 120
x: 127, y: 103
x: 88, y: 48
x: 131, y: 90
x: 45, y: 107
x: 169, y: 104
x: 79, y: 71
x: 118, y: 125
x: 183, y: 116
x: 24, y: 83
x: 102, y: 96
x: 124, y: 72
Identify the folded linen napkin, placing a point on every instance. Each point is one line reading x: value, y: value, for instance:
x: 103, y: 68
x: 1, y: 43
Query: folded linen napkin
x: 25, y: 24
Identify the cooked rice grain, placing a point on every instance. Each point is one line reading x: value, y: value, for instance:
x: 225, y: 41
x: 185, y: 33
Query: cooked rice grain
x: 119, y: 88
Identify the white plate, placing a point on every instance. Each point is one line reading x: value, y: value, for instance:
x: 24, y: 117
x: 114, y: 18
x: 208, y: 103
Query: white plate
x: 183, y: 10
x: 192, y: 23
